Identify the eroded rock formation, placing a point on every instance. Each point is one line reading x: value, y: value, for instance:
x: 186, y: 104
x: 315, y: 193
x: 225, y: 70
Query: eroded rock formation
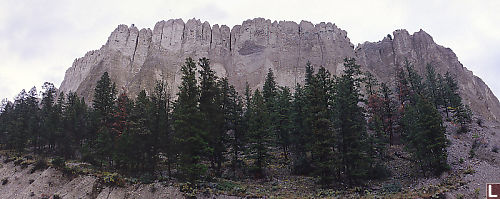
x: 135, y: 59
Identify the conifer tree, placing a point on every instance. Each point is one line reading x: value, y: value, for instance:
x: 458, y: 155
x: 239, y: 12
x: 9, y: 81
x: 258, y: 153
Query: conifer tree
x: 431, y: 84
x: 388, y: 111
x: 210, y: 106
x: 189, y: 135
x: 259, y: 135
x: 103, y: 107
x: 104, y: 99
x: 231, y: 108
x: 75, y: 124
x: 425, y: 136
x: 283, y: 116
x: 324, y: 139
x: 141, y: 124
x: 299, y: 139
x: 350, y: 123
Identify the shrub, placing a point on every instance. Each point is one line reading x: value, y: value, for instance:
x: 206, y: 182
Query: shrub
x: 58, y: 162
x: 147, y: 178
x: 40, y: 164
x: 112, y: 179
x: 392, y: 188
x: 379, y: 172
x: 301, y: 166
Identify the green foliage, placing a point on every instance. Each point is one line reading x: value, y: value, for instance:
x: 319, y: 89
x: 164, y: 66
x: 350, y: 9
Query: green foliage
x: 112, y: 179
x: 259, y: 135
x: 425, y: 136
x: 392, y: 188
x: 350, y: 124
x: 40, y: 164
x: 190, y: 137
x: 326, y: 128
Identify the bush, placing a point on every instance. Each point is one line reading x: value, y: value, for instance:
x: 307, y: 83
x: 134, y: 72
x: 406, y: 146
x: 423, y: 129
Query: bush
x: 301, y: 166
x: 392, y: 188
x: 226, y: 186
x: 40, y: 164
x: 113, y: 179
x: 147, y: 178
x: 58, y: 162
x: 379, y: 172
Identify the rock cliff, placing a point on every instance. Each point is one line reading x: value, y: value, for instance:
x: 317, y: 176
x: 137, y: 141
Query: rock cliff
x: 135, y: 58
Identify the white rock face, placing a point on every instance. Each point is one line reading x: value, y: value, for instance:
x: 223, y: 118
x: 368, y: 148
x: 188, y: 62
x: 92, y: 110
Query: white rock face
x: 135, y: 59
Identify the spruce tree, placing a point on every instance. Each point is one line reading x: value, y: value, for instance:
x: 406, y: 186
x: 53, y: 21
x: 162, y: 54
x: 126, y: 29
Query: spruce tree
x: 283, y: 119
x: 103, y: 107
x: 189, y: 135
x: 319, y: 113
x: 350, y: 123
x: 259, y: 134
x: 425, y: 136
x: 210, y: 106
x: 231, y: 108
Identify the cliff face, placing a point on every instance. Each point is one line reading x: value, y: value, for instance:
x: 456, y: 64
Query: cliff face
x: 135, y: 59
x: 420, y: 49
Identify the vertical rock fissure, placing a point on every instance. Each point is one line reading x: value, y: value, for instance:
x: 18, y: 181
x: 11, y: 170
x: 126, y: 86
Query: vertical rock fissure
x: 161, y: 35
x: 321, y: 49
x: 298, y: 57
x: 183, y: 32
x: 211, y: 35
x: 135, y: 49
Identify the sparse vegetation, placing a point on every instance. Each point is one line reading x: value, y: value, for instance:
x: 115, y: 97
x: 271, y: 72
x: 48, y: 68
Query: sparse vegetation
x: 40, y: 164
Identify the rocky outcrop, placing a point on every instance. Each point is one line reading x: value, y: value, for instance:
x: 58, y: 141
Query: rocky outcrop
x: 384, y: 56
x: 135, y: 59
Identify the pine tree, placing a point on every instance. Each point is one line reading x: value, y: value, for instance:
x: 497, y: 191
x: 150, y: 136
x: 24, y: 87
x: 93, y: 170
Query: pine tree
x: 350, y: 123
x: 104, y: 99
x: 270, y: 94
x: 299, y: 138
x: 189, y: 135
x: 319, y: 115
x: 283, y: 116
x: 231, y: 107
x: 210, y: 106
x: 103, y: 105
x: 431, y: 84
x: 142, y: 121
x: 75, y: 124
x: 425, y: 136
x: 388, y: 112
x: 259, y: 135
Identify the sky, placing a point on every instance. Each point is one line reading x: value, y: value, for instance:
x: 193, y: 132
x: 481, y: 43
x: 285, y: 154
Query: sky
x: 40, y: 39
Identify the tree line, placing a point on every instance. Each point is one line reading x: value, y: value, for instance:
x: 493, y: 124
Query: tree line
x: 337, y: 128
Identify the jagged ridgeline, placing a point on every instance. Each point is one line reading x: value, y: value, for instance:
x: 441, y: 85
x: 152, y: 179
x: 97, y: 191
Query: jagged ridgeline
x: 135, y: 58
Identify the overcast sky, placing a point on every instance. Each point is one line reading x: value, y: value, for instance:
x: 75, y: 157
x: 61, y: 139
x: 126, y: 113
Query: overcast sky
x: 40, y: 39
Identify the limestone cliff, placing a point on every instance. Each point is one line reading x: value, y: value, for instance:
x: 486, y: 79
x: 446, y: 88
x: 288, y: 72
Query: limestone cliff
x: 135, y: 59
